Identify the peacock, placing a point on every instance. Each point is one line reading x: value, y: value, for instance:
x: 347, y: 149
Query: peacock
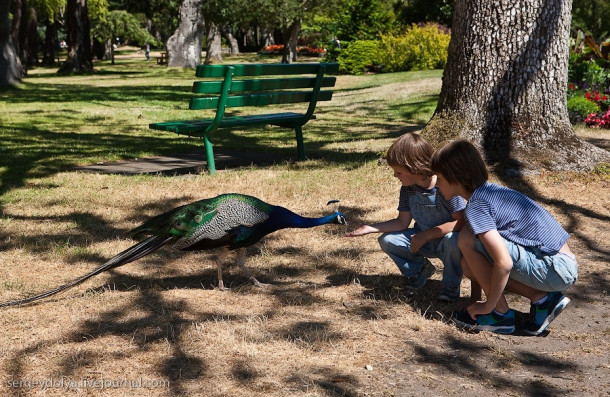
x: 230, y: 222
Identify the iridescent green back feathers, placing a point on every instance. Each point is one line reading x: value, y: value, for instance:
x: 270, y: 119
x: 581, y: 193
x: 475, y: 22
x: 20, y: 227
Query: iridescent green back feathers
x: 209, y: 218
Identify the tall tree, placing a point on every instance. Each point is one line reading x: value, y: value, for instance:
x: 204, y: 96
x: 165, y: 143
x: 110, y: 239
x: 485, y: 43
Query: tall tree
x: 11, y: 69
x: 80, y: 58
x: 184, y: 46
x: 504, y: 86
x: 213, y: 50
x: 49, y: 14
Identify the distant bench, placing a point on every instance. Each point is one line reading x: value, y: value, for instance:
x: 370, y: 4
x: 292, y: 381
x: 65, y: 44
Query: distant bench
x: 288, y: 84
x: 162, y: 58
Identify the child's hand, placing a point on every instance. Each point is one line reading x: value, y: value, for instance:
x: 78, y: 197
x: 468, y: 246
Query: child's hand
x: 477, y: 308
x: 417, y: 241
x: 361, y: 231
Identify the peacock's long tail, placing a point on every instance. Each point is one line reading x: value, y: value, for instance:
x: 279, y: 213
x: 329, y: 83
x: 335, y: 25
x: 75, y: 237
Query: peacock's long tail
x: 129, y: 255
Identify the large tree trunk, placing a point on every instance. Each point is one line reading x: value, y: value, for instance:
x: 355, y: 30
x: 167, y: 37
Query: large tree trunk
x: 228, y: 35
x: 213, y: 53
x: 291, y: 34
x: 79, y: 58
x: 30, y: 45
x: 10, y: 66
x: 504, y: 86
x: 50, y: 43
x: 18, y: 30
x: 184, y: 46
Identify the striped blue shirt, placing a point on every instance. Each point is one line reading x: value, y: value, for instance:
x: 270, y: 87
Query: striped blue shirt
x: 454, y: 205
x: 515, y: 216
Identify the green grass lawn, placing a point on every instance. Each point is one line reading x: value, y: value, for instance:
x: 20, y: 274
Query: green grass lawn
x: 50, y: 123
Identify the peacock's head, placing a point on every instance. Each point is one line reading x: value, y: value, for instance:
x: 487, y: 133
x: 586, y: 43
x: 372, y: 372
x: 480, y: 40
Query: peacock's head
x: 340, y: 218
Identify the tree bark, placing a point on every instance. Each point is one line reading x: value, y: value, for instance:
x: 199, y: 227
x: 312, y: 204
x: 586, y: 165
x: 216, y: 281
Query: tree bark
x: 30, y: 45
x: 50, y: 43
x: 80, y: 57
x: 10, y: 66
x: 213, y: 52
x: 184, y: 46
x: 228, y: 35
x: 291, y: 34
x: 504, y: 86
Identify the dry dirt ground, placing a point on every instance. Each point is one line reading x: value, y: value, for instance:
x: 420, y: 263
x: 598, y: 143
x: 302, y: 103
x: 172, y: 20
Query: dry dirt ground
x: 334, y: 321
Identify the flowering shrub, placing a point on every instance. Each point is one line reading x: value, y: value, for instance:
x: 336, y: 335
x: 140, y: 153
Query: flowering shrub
x: 279, y: 48
x: 598, y: 98
x: 579, y: 107
x: 595, y: 120
x: 272, y: 49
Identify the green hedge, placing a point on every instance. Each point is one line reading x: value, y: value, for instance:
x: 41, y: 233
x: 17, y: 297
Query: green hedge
x: 360, y: 54
x: 419, y: 48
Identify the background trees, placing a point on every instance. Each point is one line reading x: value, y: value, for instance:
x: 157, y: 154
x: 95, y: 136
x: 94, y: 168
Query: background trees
x: 10, y: 66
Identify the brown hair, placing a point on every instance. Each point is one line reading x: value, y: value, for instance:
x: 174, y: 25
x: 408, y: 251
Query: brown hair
x: 460, y: 162
x: 413, y: 152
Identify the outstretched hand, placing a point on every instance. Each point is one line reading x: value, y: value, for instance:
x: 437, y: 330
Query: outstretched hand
x: 361, y: 231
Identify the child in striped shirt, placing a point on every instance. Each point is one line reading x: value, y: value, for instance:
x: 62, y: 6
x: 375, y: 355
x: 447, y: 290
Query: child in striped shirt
x: 437, y: 220
x: 509, y: 243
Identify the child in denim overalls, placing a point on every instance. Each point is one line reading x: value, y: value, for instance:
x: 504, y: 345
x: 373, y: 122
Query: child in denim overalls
x: 437, y: 220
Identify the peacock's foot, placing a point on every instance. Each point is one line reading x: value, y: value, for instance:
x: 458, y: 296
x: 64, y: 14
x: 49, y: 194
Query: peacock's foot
x: 258, y: 284
x: 221, y: 287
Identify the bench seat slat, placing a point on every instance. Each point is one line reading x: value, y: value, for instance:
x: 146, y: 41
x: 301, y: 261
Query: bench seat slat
x: 215, y: 87
x: 269, y: 98
x: 193, y: 126
x: 262, y: 69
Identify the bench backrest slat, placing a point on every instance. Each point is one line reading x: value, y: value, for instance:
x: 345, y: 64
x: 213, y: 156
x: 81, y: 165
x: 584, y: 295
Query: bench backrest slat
x: 265, y: 69
x: 269, y: 98
x: 215, y: 87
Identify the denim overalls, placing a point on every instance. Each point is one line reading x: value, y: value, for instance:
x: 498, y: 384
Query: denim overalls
x: 428, y: 211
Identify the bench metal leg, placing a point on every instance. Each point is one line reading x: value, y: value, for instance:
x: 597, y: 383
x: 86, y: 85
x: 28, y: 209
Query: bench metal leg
x: 209, y: 154
x: 300, y: 147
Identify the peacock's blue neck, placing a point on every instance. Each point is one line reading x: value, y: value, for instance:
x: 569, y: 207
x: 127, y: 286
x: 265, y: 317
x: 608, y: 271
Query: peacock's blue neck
x: 284, y: 218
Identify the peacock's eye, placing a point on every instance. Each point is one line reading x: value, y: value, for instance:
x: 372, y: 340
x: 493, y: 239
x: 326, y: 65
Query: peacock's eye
x: 180, y: 226
x: 198, y: 218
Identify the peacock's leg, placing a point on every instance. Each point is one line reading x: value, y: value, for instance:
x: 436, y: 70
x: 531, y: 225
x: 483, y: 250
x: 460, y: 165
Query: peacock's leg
x: 241, y: 261
x: 220, y: 259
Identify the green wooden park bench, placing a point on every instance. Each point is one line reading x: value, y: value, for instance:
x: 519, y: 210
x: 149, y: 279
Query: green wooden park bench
x: 258, y: 85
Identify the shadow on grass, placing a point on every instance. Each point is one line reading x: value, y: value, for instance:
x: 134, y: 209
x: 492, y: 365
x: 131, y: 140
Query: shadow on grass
x: 149, y: 318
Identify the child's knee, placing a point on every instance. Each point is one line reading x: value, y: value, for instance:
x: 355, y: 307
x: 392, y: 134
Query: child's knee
x: 465, y: 240
x: 384, y: 241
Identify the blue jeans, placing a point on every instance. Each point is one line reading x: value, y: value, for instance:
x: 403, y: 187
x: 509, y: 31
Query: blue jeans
x: 398, y: 246
x: 536, y: 269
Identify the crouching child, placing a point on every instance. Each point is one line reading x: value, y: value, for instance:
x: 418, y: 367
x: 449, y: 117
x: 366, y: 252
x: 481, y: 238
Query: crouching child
x: 509, y: 243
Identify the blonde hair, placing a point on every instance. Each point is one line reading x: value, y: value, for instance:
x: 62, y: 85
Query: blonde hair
x: 413, y: 152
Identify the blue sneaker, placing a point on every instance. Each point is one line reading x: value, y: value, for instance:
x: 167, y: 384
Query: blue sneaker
x: 419, y: 280
x: 541, y: 315
x: 498, y: 323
